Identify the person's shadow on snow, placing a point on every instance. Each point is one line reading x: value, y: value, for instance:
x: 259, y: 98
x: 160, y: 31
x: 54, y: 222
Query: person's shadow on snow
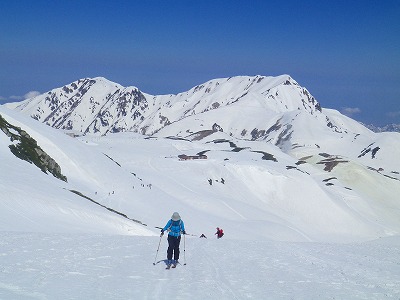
x: 165, y: 261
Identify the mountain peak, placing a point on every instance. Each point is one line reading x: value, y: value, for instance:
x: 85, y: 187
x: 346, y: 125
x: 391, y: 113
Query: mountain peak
x: 247, y: 107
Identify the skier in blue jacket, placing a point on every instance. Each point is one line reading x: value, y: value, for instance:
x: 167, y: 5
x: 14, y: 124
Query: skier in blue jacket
x: 175, y: 228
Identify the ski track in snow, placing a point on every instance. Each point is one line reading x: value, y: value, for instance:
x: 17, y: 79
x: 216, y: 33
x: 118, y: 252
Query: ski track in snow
x: 235, y: 211
x: 55, y: 266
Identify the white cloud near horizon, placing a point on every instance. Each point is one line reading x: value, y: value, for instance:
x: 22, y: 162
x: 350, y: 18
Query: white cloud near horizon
x: 28, y: 95
x: 350, y: 111
x: 13, y: 97
x: 31, y: 94
x: 3, y: 100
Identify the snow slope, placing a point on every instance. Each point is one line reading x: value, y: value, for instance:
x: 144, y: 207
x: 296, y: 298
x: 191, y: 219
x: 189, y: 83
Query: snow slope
x: 241, y: 185
x: 73, y: 266
x: 311, y: 213
x: 34, y: 201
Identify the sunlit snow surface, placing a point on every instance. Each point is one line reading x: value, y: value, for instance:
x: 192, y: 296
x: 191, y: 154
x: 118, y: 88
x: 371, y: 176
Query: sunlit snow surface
x: 72, y: 266
x: 288, y: 234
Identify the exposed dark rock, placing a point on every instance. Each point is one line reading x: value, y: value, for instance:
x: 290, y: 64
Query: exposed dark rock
x: 197, y: 136
x: 297, y: 169
x: 256, y: 134
x: 331, y: 162
x: 217, y: 128
x: 201, y: 153
x: 218, y: 141
x: 26, y: 148
x: 266, y: 156
x: 112, y: 160
x: 329, y: 179
x: 306, y: 157
x: 231, y: 144
x: 369, y: 149
x: 284, y: 135
x: 331, y: 125
x: 380, y: 170
x: 215, y: 105
x: 274, y: 127
x: 373, y: 153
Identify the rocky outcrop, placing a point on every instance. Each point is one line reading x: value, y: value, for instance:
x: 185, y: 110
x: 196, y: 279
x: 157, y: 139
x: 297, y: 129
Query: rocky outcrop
x: 26, y: 148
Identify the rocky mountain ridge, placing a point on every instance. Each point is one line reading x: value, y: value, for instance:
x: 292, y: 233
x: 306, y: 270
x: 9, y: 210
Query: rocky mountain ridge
x: 386, y: 128
x: 99, y: 106
x: 271, y: 155
x: 274, y: 110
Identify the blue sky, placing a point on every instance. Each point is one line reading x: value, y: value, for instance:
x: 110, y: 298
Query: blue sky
x: 346, y: 53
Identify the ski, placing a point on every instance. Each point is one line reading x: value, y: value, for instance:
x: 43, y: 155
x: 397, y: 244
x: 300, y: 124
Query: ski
x: 171, y: 264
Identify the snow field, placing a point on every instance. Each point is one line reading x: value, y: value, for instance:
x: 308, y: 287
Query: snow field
x: 55, y: 244
x: 75, y: 266
x: 144, y: 179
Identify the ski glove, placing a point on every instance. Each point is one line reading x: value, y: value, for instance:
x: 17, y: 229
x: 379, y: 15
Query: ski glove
x: 184, y: 232
x: 162, y: 232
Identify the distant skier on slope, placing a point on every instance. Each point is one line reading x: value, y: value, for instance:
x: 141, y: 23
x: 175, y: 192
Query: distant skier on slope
x: 175, y: 228
x: 219, y: 233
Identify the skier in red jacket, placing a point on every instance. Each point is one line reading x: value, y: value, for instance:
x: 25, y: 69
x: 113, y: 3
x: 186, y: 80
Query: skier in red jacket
x: 219, y: 233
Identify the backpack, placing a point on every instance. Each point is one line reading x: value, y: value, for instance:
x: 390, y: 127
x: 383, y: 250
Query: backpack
x: 175, y: 226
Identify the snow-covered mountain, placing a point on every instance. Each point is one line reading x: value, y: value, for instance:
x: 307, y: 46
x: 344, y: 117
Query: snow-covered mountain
x: 256, y: 156
x: 110, y: 181
x: 274, y: 158
x: 276, y: 110
x: 272, y: 109
x: 101, y: 106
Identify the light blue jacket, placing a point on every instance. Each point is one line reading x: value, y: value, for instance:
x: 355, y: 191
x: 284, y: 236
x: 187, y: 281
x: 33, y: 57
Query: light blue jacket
x: 174, y: 227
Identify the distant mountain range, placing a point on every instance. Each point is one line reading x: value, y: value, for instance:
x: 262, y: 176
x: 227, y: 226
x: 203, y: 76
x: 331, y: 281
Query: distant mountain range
x: 252, y: 108
x: 272, y: 159
x: 386, y: 128
x: 275, y: 110
x: 99, y: 106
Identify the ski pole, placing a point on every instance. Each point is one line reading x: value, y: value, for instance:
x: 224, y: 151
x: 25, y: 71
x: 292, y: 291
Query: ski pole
x: 184, y: 250
x: 158, y: 248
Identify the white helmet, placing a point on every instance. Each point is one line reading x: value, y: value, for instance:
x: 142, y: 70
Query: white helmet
x: 175, y: 216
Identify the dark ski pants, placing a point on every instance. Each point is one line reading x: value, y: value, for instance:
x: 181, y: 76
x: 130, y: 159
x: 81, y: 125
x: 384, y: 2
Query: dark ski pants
x: 173, y: 247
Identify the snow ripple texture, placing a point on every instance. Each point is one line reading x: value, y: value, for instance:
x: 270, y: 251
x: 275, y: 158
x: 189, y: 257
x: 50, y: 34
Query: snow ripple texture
x: 70, y: 266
